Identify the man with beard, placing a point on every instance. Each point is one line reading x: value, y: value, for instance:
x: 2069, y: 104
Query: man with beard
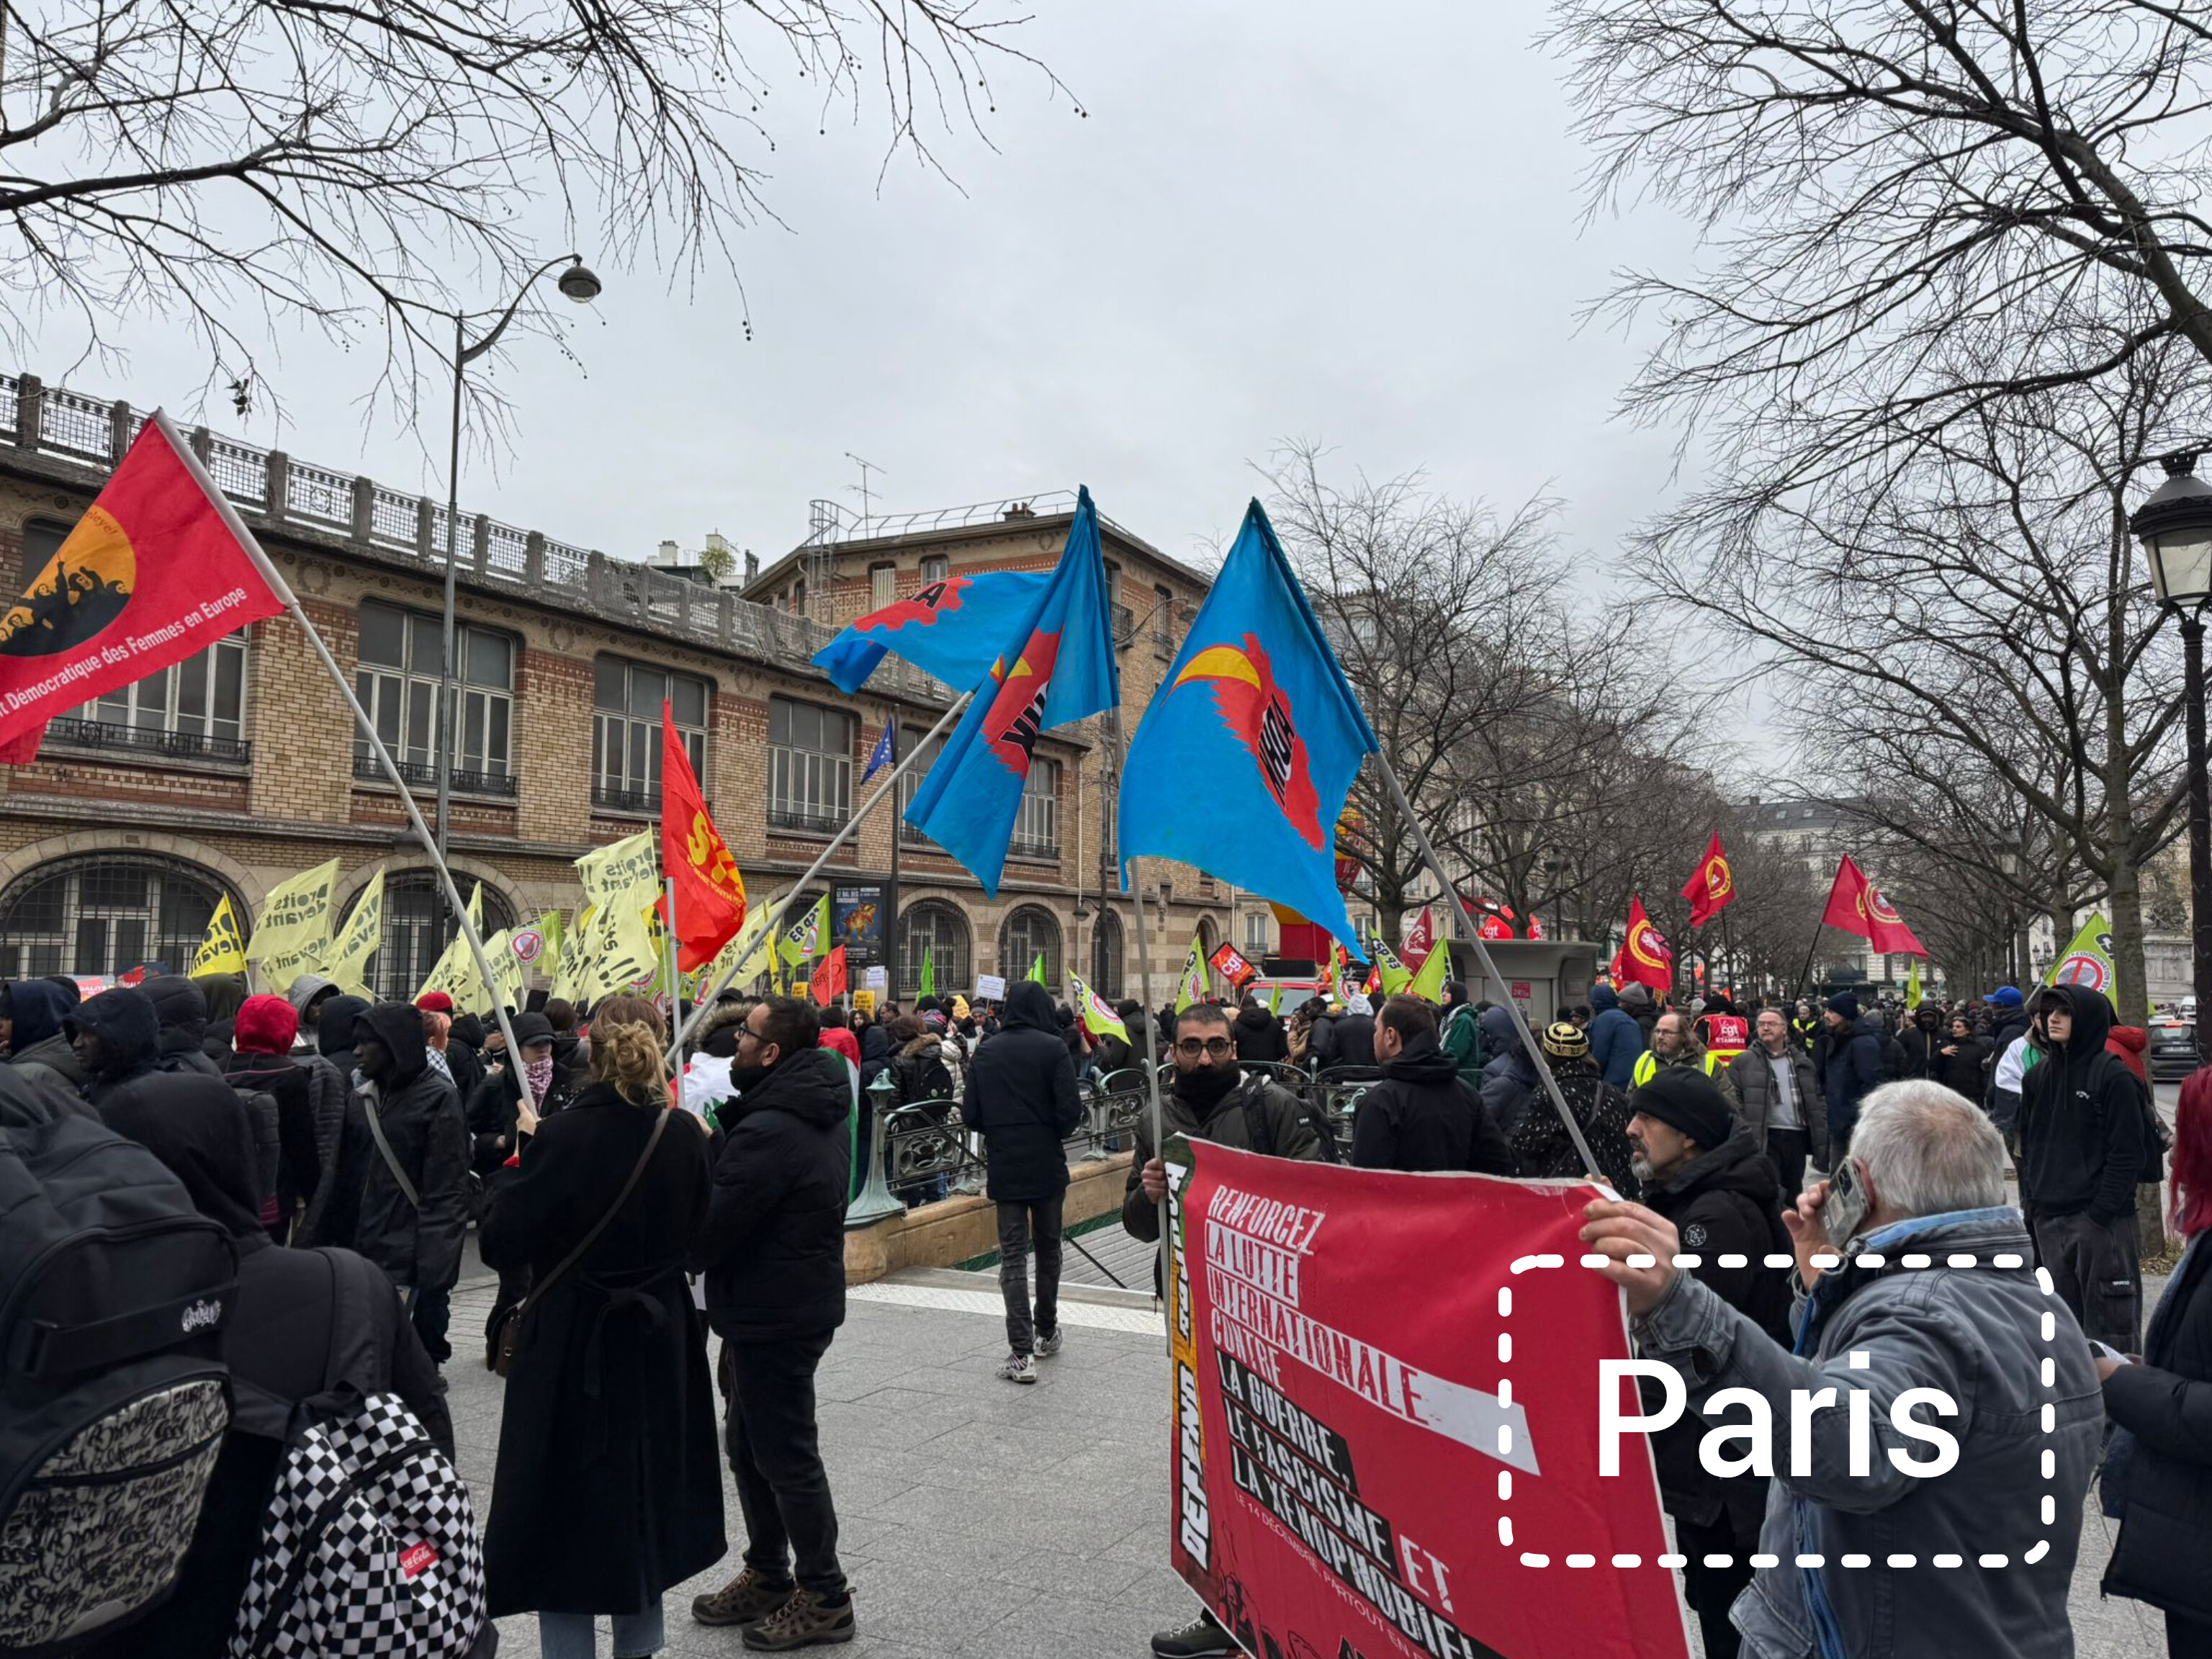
x: 1212, y: 1101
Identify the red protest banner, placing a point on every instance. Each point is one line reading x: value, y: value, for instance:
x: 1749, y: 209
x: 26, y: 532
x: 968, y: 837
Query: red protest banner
x: 1373, y: 1458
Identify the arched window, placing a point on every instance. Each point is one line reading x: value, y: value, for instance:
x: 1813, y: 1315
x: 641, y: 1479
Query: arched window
x: 937, y: 927
x: 416, y: 928
x: 1107, y: 956
x: 1029, y: 931
x: 1207, y: 937
x: 107, y: 913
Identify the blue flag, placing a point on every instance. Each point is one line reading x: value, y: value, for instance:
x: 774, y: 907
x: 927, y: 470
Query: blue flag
x: 1056, y: 664
x: 1241, y: 765
x: 953, y: 628
x: 880, y: 756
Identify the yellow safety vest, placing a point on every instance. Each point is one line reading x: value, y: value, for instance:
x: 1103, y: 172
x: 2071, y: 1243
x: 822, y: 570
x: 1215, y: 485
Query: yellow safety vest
x: 1647, y: 1066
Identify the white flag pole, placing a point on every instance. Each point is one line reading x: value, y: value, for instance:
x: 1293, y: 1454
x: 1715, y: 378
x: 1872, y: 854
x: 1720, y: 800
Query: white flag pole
x: 367, y: 727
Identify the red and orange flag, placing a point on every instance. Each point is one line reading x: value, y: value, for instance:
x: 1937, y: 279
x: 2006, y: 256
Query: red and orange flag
x: 1712, y: 886
x: 1857, y: 906
x: 710, y: 894
x: 1644, y: 957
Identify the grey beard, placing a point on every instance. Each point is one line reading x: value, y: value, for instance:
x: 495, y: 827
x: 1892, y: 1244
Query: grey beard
x: 1640, y: 1167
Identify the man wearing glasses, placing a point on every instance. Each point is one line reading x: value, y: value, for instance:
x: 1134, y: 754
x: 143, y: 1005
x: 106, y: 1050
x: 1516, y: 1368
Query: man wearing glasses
x: 1212, y: 1101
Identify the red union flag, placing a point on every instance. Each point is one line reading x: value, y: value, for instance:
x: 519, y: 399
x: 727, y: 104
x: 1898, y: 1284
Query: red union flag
x: 1644, y: 958
x: 1711, y: 885
x: 1421, y: 937
x: 1233, y: 964
x: 829, y: 981
x: 157, y: 569
x: 710, y: 894
x: 1857, y: 906
x: 1374, y: 1458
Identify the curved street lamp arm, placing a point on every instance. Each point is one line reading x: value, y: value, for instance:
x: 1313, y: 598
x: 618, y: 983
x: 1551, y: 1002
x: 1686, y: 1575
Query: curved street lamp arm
x: 469, y: 353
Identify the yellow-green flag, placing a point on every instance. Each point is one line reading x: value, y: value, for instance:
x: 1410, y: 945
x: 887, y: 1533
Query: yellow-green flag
x: 633, y: 861
x: 1395, y: 975
x: 617, y: 944
x: 1191, y: 987
x: 293, y: 928
x: 1429, y: 983
x: 537, y: 948
x: 575, y: 958
x: 357, y: 939
x: 1912, y: 985
x: 1274, y: 999
x: 2088, y: 962
x: 1098, y: 1016
x: 744, y: 958
x: 1037, y: 969
x: 223, y: 949
x: 804, y: 938
x: 455, y: 971
x: 928, y: 972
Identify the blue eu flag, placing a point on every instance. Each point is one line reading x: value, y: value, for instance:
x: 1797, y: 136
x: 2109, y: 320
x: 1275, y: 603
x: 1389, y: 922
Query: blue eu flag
x: 1056, y: 664
x: 1241, y: 765
x: 953, y: 628
x: 880, y: 756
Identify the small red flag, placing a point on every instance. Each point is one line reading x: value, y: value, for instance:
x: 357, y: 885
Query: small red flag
x: 829, y: 981
x: 710, y: 894
x: 1644, y: 958
x: 1712, y: 886
x: 1857, y: 906
x: 155, y: 571
x: 1233, y: 964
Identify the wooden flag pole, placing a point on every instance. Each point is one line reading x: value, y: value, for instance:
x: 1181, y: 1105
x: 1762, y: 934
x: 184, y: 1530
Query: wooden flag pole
x: 367, y: 727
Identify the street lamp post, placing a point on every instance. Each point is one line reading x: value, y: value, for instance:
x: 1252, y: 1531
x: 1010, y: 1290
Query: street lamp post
x: 581, y: 285
x: 2175, y: 527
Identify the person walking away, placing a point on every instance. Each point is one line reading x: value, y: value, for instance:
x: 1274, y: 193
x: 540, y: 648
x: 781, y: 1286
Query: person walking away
x: 1616, y: 1038
x: 773, y: 1250
x: 262, y: 1033
x: 1422, y: 1115
x: 1781, y: 1102
x: 2157, y: 1478
x: 1021, y: 1099
x: 1509, y: 1080
x: 2081, y: 1144
x: 1963, y: 1061
x: 1713, y: 1180
x: 1341, y: 1039
x: 31, y: 1012
x: 1635, y: 1002
x: 606, y: 1492
x: 181, y: 1007
x: 343, y: 1145
x: 1923, y: 1039
x: 1854, y: 1067
x: 414, y: 1197
x: 1542, y: 1149
x: 1259, y: 1034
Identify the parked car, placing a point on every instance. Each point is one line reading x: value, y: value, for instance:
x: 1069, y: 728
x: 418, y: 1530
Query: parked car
x: 2172, y: 1050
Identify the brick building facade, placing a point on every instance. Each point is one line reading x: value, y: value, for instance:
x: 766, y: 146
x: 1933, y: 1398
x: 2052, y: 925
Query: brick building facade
x: 233, y: 771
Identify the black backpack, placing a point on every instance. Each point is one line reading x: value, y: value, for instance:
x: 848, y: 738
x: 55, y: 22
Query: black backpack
x: 1260, y: 1132
x: 2158, y: 1139
x: 114, y: 1403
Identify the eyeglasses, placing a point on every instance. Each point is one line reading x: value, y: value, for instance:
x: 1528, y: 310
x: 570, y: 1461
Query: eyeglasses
x: 1219, y: 1048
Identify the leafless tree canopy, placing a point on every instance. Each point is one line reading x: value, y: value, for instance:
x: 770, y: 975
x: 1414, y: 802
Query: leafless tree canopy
x: 243, y: 166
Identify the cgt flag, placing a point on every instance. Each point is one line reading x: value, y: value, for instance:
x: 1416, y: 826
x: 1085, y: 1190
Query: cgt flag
x: 1644, y: 957
x: 1228, y: 962
x: 152, y: 575
x: 1255, y: 705
x: 1711, y: 886
x: 1857, y: 906
x: 1056, y: 666
x: 710, y: 894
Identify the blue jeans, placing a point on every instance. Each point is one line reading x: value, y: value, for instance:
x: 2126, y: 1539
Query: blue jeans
x: 568, y: 1635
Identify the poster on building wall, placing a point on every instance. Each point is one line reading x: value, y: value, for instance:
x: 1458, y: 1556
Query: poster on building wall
x: 1372, y: 1458
x: 856, y: 921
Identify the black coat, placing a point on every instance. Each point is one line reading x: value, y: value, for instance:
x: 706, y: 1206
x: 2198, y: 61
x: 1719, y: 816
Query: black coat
x: 299, y: 1166
x: 1966, y: 1071
x: 1344, y: 1040
x: 2165, y: 1510
x: 609, y: 1488
x: 1854, y: 1067
x: 918, y: 1071
x: 1422, y: 1115
x: 130, y: 1070
x: 1924, y: 1038
x: 1021, y: 1099
x: 493, y: 1110
x: 417, y: 1243
x: 773, y: 1245
x: 1259, y: 1034
x: 2080, y: 1122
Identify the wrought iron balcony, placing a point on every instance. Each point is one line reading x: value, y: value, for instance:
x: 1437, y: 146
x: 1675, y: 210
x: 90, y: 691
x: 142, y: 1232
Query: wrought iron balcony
x: 150, y: 740
x: 613, y: 797
x: 808, y: 822
x: 420, y: 774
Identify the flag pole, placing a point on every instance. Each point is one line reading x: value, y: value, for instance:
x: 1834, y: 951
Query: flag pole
x: 366, y: 726
x: 1144, y: 990
x: 783, y: 912
x: 675, y: 987
x: 1482, y: 953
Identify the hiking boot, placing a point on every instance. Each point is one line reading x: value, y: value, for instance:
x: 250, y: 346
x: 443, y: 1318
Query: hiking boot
x: 1201, y: 1638
x: 1019, y: 1368
x: 1048, y: 1346
x: 803, y: 1621
x: 746, y: 1600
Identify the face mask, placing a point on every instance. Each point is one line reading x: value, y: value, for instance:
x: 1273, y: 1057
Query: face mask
x: 539, y: 1075
x: 1205, y: 1086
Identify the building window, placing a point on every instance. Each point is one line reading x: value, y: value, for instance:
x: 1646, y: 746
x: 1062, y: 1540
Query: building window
x: 883, y: 585
x: 626, y: 703
x: 935, y: 567
x: 1037, y: 824
x: 809, y: 766
x: 936, y: 928
x: 397, y: 684
x: 910, y: 779
x: 1162, y: 623
x: 1030, y: 932
x: 1256, y: 934
x: 1107, y: 954
x: 418, y: 928
x: 107, y: 914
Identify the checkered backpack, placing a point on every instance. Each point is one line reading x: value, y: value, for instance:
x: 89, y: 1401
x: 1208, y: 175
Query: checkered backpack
x: 369, y: 1545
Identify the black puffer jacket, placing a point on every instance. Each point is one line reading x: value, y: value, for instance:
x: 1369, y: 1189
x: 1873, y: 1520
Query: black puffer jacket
x: 418, y: 1242
x: 1259, y: 1034
x: 1922, y: 1038
x: 1021, y: 1099
x: 291, y: 1085
x: 180, y: 1006
x: 1422, y: 1115
x: 37, y: 1007
x: 2161, y: 1488
x: 1343, y: 1040
x: 773, y: 1248
x: 130, y: 1072
x: 2081, y: 1121
x: 1966, y: 1070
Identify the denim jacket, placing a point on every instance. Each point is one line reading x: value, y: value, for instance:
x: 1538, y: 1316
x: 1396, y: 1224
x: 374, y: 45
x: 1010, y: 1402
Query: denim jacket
x: 1975, y: 1332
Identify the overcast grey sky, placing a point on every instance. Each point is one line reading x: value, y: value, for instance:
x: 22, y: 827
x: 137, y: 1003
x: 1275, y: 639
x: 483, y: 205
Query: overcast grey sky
x: 1356, y: 224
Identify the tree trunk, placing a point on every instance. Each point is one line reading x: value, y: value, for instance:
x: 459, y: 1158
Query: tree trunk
x: 2130, y: 977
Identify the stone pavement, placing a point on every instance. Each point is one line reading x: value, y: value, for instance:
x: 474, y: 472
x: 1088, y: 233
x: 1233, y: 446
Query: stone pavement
x: 983, y: 1519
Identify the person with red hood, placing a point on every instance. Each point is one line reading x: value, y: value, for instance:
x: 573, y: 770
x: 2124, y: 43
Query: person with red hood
x: 262, y: 1063
x: 2126, y: 1044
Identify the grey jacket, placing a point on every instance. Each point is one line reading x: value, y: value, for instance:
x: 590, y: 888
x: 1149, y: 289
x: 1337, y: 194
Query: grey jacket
x: 1752, y: 1074
x: 1976, y: 1334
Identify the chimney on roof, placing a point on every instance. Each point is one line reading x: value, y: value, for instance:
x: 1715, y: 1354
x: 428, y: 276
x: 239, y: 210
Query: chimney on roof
x: 752, y: 565
x: 669, y: 556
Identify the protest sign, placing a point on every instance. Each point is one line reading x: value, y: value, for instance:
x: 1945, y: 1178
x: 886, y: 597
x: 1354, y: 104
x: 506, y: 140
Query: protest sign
x: 991, y: 988
x: 877, y: 978
x: 1374, y: 1458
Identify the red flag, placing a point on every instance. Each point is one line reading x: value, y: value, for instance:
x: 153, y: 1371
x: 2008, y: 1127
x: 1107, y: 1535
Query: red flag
x: 153, y: 572
x: 1711, y: 886
x: 829, y: 981
x: 1644, y: 958
x: 1857, y: 906
x: 710, y: 894
x: 1421, y: 938
x: 1233, y: 964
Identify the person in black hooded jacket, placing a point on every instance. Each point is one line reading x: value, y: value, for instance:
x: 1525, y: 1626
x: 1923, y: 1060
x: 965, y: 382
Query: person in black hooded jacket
x: 1423, y: 1115
x: 34, y: 1010
x: 180, y: 1006
x: 414, y: 1198
x: 2080, y: 1152
x: 1258, y: 1035
x: 1924, y: 1040
x: 117, y: 1036
x: 226, y: 994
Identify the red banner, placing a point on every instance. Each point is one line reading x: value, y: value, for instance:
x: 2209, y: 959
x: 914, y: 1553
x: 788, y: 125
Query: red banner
x: 1644, y: 958
x: 1373, y: 1458
x: 829, y: 981
x: 153, y: 574
x: 1231, y: 963
x: 710, y: 894
x: 1857, y: 906
x: 1711, y: 886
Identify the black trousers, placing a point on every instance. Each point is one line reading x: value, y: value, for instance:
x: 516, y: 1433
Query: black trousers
x: 1711, y: 1591
x: 431, y: 1311
x: 1021, y: 1222
x: 2187, y: 1638
x: 1788, y: 1150
x: 2097, y: 1274
x: 775, y: 1452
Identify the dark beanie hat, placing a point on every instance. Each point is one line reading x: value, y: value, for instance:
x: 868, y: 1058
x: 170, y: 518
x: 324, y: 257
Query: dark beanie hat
x: 1685, y: 1098
x: 1845, y: 1003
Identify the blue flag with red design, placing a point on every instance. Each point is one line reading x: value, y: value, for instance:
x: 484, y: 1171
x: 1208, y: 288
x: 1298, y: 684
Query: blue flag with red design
x: 1241, y: 765
x: 1056, y: 664
x: 954, y: 629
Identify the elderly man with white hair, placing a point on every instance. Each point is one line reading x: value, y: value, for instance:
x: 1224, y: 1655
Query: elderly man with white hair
x: 1912, y: 1275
